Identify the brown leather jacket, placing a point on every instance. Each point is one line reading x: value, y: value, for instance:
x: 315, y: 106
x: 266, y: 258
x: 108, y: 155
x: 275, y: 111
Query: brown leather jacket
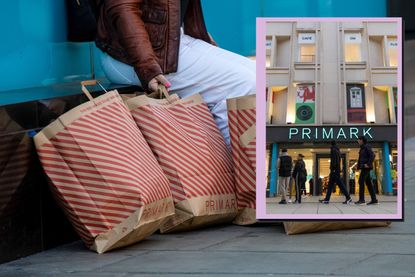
x: 146, y: 33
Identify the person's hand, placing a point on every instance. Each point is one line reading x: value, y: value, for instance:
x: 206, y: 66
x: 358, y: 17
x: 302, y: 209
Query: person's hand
x: 159, y: 79
x: 366, y: 166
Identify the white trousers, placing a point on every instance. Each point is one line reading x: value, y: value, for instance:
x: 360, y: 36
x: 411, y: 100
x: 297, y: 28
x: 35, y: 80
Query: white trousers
x: 215, y: 73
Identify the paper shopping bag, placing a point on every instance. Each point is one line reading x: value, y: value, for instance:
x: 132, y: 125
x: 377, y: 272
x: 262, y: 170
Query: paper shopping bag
x: 104, y: 174
x: 15, y: 159
x: 192, y: 153
x: 292, y: 228
x: 242, y: 125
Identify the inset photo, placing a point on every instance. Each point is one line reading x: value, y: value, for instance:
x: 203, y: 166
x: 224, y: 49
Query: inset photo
x: 331, y: 107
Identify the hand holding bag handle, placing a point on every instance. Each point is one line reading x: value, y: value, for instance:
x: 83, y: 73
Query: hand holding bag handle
x: 90, y: 83
x: 159, y: 93
x: 161, y: 90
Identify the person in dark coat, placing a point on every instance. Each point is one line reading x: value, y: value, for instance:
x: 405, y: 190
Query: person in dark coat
x: 365, y: 165
x: 311, y: 183
x: 284, y: 166
x: 300, y: 177
x: 334, y: 178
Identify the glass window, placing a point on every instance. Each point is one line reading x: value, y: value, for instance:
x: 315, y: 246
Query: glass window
x: 352, y: 47
x: 393, y: 51
x: 307, y: 47
x: 307, y: 53
x: 268, y: 61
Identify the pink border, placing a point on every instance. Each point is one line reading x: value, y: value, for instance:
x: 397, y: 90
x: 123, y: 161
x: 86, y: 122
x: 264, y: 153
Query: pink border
x: 260, y: 129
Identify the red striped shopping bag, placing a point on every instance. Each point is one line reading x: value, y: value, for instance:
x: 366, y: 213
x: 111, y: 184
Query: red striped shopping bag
x: 15, y: 160
x: 242, y: 124
x: 192, y: 153
x: 104, y: 174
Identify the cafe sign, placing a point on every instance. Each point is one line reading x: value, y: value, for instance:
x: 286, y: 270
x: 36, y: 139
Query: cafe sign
x: 353, y: 38
x: 306, y: 38
x: 329, y: 133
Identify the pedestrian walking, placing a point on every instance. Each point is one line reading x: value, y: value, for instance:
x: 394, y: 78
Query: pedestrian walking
x: 334, y: 177
x: 365, y: 165
x: 300, y: 177
x: 311, y: 183
x: 284, y: 166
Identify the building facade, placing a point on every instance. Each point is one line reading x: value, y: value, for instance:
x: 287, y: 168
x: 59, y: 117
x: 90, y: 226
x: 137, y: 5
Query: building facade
x: 332, y: 81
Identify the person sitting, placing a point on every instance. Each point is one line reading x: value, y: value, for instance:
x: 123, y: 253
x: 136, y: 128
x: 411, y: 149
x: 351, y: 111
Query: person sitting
x: 148, y: 43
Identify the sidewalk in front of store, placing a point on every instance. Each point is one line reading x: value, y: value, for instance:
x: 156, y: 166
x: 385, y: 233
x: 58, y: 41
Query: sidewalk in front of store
x: 310, y: 205
x: 245, y: 251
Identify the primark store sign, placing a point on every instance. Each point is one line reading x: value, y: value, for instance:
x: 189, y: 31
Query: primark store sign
x: 329, y: 133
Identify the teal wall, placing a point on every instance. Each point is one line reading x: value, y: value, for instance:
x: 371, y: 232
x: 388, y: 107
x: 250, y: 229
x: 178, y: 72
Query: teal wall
x: 34, y: 51
x: 232, y: 22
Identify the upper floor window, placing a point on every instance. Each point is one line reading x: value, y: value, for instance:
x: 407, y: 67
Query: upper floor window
x: 307, y: 47
x: 353, y: 47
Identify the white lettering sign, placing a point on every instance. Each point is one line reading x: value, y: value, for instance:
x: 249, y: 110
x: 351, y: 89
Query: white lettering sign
x: 306, y: 38
x: 352, y: 38
x: 366, y: 132
x: 268, y: 43
x: 329, y: 133
x: 393, y: 44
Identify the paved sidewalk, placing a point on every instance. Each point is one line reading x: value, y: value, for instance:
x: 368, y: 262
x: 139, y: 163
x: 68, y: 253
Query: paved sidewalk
x: 310, y: 205
x: 245, y: 251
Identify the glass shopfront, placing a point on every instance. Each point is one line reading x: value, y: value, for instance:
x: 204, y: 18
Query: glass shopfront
x: 316, y: 151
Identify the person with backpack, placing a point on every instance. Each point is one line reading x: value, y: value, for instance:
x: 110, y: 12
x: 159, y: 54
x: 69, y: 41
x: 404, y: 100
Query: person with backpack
x: 365, y: 165
x: 300, y: 177
x: 160, y: 42
x: 334, y: 177
x: 284, y: 166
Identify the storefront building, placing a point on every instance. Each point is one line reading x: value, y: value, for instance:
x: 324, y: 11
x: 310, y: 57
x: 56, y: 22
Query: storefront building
x: 332, y: 81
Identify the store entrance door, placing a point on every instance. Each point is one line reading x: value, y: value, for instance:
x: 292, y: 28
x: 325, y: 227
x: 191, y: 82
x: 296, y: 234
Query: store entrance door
x: 322, y: 173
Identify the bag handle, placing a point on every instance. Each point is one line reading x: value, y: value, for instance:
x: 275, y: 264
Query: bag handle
x: 159, y: 93
x: 161, y: 89
x: 90, y: 83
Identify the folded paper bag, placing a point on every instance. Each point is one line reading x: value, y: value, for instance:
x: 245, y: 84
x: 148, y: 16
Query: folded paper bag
x: 192, y: 153
x: 103, y: 173
x: 293, y: 228
x: 242, y: 129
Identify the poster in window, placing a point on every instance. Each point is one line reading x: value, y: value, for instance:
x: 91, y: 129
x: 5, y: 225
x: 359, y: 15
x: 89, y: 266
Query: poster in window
x: 305, y: 104
x: 356, y: 107
x: 356, y: 97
